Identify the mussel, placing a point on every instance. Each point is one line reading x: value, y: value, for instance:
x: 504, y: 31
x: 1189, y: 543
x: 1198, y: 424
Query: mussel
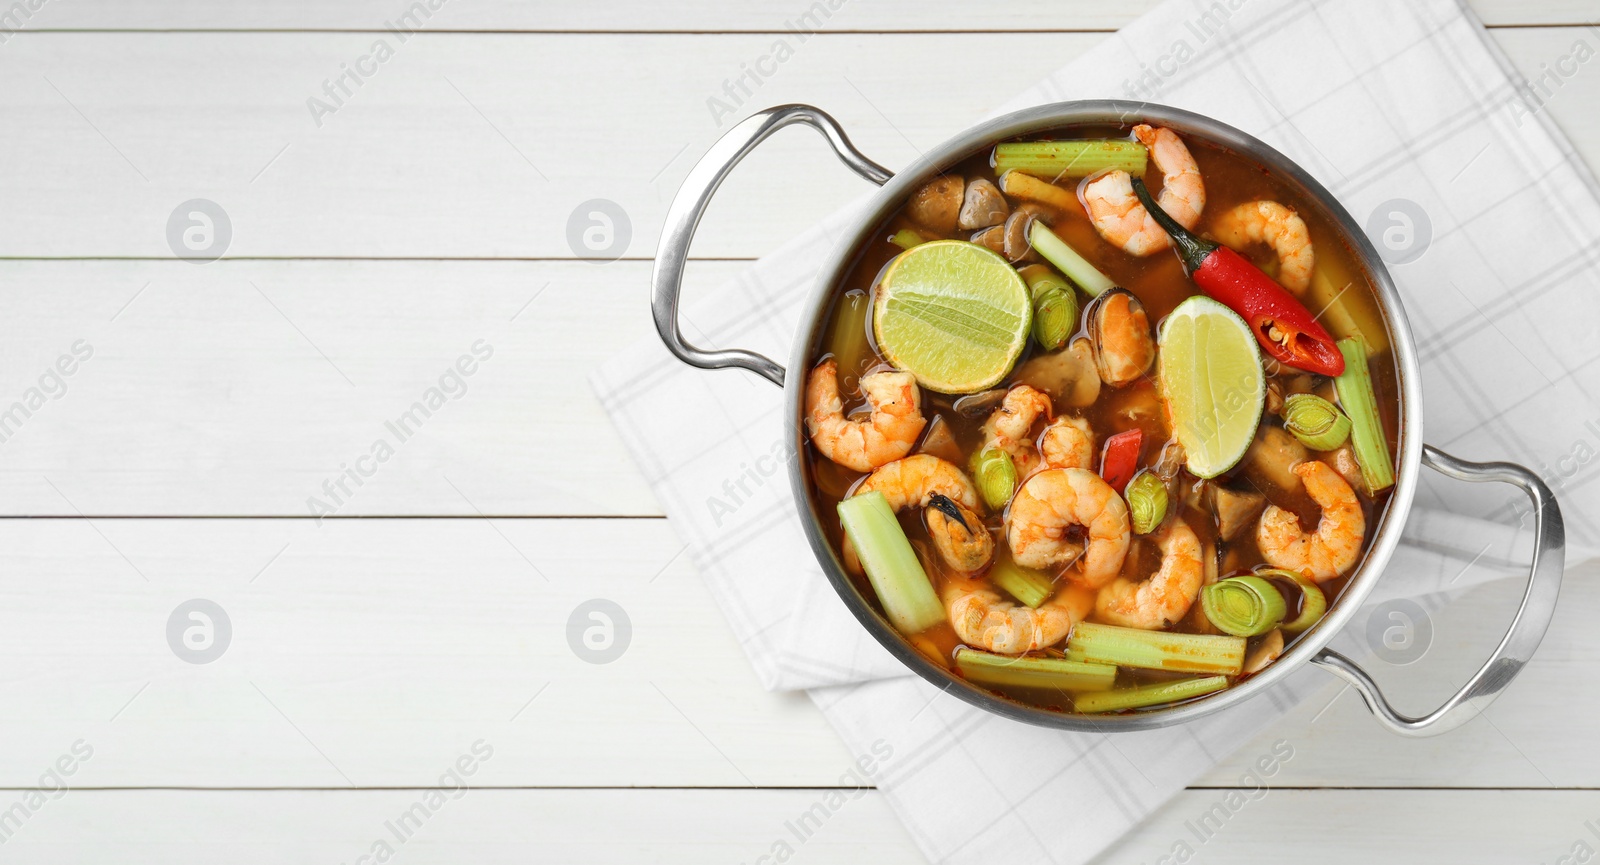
x: 1124, y: 346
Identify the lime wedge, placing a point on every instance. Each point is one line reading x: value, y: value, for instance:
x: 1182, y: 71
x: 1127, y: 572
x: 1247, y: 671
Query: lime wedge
x: 953, y: 314
x: 1212, y: 381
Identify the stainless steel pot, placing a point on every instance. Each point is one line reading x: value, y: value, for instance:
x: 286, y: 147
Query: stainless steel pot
x: 1544, y: 580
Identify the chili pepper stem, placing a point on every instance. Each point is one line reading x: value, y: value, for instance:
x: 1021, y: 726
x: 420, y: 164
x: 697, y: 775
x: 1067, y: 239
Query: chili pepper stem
x: 1192, y: 250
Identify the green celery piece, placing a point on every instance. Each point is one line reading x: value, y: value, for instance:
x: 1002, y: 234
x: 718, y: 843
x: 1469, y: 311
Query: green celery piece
x: 1157, y: 650
x: 891, y: 564
x: 1045, y: 673
x: 1360, y: 403
x: 1148, y: 695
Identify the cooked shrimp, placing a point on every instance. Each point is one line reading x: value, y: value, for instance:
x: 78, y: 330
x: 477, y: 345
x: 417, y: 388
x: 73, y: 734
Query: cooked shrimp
x: 1278, y: 227
x: 1116, y: 211
x: 887, y: 435
x: 1054, y: 501
x: 1334, y: 546
x: 983, y: 619
x: 1009, y: 427
x: 1068, y: 443
x: 1166, y: 596
x: 923, y: 480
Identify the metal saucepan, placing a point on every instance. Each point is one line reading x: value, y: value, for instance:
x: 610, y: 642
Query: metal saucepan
x: 1544, y: 581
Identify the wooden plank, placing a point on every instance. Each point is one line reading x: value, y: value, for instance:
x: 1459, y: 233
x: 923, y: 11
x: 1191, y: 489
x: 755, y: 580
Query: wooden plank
x: 241, y: 388
x: 1342, y: 826
x: 367, y: 652
x: 458, y: 146
x: 672, y: 826
x: 719, y: 16
x: 481, y: 826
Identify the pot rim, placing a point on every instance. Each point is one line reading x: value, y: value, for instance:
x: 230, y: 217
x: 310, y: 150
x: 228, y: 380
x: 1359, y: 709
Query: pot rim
x: 1113, y: 112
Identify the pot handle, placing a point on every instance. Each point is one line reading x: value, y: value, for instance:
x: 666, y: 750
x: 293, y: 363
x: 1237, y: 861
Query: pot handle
x: 690, y: 204
x: 1527, y: 628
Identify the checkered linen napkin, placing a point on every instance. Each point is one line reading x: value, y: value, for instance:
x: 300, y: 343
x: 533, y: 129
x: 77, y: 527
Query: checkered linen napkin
x: 1396, y: 108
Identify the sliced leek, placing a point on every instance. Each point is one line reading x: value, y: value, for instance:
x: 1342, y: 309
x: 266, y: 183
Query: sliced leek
x: 1147, y: 501
x: 1313, y: 601
x: 1317, y: 423
x: 995, y: 476
x: 1055, y: 306
x: 1243, y: 606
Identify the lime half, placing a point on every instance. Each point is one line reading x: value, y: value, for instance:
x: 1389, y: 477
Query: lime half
x: 953, y: 314
x: 1212, y: 381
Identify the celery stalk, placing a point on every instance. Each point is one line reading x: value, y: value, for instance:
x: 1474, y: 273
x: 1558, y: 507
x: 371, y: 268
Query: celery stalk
x: 1075, y: 158
x: 1025, y: 584
x: 890, y: 562
x: 1345, y: 309
x: 1148, y: 695
x: 1067, y: 260
x: 1157, y: 650
x: 1356, y: 397
x: 1049, y: 673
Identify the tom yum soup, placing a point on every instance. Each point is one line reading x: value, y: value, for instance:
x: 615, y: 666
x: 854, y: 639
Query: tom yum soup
x: 1105, y: 418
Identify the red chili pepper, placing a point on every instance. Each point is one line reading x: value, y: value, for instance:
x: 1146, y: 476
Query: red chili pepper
x: 1119, y: 459
x: 1282, y: 324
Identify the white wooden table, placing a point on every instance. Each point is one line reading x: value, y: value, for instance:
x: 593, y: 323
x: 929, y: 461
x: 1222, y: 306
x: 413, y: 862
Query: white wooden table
x: 425, y: 215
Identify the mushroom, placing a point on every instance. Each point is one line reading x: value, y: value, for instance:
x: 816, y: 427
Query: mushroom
x: 937, y: 204
x: 940, y: 441
x: 1068, y: 375
x: 1266, y: 652
x: 1017, y: 247
x: 1235, y: 510
x: 1344, y: 462
x: 1274, y: 396
x: 983, y: 206
x: 1273, y: 456
x: 976, y: 405
x: 1171, y: 460
x: 1124, y: 348
x: 993, y: 238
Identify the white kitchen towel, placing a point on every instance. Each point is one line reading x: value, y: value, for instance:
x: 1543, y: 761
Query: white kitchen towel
x: 1422, y: 129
